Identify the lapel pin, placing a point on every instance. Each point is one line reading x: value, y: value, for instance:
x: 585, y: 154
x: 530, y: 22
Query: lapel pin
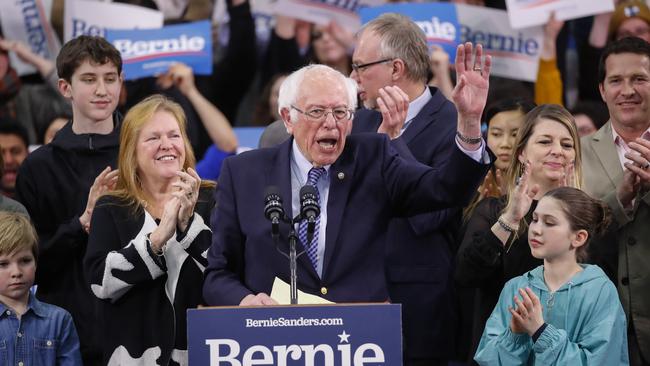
x: 341, y: 175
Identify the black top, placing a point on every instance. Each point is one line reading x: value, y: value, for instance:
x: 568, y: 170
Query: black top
x: 53, y: 184
x: 144, y: 296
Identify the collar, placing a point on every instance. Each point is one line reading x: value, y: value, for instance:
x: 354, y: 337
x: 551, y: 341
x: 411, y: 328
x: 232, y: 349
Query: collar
x: 32, y: 304
x: 301, y: 162
x: 66, y: 139
x: 416, y: 106
x: 618, y: 140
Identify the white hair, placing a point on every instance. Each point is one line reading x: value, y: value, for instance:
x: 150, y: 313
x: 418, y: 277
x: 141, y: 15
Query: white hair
x: 291, y: 86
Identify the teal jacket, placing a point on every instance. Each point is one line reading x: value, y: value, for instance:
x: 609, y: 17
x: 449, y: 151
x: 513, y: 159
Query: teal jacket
x: 586, y: 324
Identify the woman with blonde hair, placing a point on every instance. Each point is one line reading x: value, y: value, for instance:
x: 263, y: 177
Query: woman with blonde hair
x: 494, y: 248
x: 148, y: 236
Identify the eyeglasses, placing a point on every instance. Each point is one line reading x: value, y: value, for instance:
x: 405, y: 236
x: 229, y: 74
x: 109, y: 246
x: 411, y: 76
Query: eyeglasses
x: 358, y: 68
x: 320, y: 114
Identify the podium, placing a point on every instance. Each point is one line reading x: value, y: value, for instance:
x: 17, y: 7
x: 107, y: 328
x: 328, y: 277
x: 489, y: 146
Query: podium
x: 309, y: 335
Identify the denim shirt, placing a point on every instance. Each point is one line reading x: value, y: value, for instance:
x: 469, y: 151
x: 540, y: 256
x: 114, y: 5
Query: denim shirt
x: 44, y: 335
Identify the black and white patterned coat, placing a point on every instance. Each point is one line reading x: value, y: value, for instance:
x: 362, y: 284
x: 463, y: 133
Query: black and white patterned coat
x: 144, y: 297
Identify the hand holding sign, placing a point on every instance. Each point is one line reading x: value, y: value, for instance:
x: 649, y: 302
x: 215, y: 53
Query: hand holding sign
x: 25, y: 54
x: 179, y: 75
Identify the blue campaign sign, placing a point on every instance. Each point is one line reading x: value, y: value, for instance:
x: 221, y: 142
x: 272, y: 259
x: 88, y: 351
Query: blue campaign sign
x: 438, y: 21
x: 345, y: 335
x: 149, y: 52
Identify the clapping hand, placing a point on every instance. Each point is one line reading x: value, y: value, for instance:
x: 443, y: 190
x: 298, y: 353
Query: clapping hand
x: 568, y: 180
x: 522, y: 198
x: 637, y: 173
x: 187, y: 194
x: 103, y: 183
x: 527, y: 315
x: 167, y: 226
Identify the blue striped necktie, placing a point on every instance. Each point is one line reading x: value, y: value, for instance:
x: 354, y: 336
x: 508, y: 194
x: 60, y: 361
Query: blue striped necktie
x: 312, y: 248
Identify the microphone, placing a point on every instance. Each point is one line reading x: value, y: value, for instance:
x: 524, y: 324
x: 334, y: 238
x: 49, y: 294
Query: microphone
x: 273, y: 208
x: 309, y: 209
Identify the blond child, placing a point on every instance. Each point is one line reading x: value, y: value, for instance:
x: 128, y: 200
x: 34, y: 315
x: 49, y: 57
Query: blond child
x: 31, y: 332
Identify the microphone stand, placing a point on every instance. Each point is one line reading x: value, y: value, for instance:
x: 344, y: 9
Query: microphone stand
x: 293, y: 265
x: 292, y: 256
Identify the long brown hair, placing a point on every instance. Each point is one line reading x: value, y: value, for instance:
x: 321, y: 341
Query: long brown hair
x: 129, y: 187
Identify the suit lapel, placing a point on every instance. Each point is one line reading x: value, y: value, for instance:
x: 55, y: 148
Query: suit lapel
x: 341, y: 175
x: 606, y: 152
x: 424, y: 118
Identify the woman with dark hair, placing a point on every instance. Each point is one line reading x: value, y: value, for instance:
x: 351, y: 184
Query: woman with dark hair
x: 494, y: 248
x: 148, y: 239
x: 504, y: 118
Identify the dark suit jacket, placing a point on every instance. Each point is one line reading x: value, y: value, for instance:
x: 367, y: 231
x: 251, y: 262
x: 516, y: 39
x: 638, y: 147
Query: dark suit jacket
x: 419, y: 249
x: 369, y: 184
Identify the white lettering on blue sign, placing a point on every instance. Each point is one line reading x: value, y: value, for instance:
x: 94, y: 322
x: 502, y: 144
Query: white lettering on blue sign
x: 225, y: 352
x: 159, y: 47
x: 500, y: 42
x: 435, y: 30
x: 81, y: 27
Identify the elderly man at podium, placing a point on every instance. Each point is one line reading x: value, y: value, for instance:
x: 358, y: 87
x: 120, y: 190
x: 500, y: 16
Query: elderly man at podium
x: 360, y: 182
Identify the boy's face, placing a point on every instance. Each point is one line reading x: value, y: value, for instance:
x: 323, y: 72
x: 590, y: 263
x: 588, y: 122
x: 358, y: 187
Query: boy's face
x: 94, y: 91
x: 17, y: 271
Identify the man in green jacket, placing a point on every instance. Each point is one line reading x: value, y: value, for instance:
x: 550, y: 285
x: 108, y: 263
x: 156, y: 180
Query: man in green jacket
x: 615, y: 165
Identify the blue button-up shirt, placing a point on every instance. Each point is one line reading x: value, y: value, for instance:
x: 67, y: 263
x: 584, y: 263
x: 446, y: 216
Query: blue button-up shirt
x: 44, y: 335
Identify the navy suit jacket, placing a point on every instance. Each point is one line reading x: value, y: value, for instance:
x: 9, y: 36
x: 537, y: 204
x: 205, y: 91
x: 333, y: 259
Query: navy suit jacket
x: 420, y: 249
x: 369, y: 184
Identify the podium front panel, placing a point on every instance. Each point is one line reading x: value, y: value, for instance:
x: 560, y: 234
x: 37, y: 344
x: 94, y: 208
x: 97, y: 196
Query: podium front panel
x: 345, y: 335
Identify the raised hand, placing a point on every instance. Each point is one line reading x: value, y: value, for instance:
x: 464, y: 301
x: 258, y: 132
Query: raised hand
x: 491, y: 187
x: 341, y: 35
x: 103, y: 183
x: 521, y: 199
x: 393, y: 104
x: 553, y: 27
x: 25, y: 53
x: 188, y: 186
x: 179, y: 75
x: 473, y: 74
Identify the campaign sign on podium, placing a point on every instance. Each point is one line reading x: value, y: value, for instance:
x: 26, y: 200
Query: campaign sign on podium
x: 341, y: 335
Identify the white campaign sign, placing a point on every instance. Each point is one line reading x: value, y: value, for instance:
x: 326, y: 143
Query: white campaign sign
x: 515, y: 53
x: 528, y: 13
x: 94, y: 17
x: 27, y: 21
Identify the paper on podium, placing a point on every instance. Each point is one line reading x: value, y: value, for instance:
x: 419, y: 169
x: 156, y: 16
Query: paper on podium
x: 281, y: 293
